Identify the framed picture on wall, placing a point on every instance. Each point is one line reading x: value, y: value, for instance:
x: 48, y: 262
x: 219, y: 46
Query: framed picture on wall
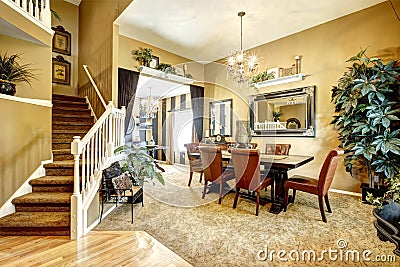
x: 154, y: 62
x: 61, y: 71
x: 61, y: 41
x: 274, y: 71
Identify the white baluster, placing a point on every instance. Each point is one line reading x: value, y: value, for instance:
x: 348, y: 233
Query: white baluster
x: 84, y: 166
x: 46, y: 13
x: 24, y: 4
x: 30, y: 7
x: 36, y: 9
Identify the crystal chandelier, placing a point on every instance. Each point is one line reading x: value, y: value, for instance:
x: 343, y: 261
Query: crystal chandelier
x: 149, y: 106
x: 241, y: 67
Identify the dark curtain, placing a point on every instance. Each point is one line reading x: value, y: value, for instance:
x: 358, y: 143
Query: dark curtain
x: 127, y: 85
x: 197, y: 99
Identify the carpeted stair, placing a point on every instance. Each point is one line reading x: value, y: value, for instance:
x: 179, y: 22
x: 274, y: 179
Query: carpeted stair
x: 46, y: 211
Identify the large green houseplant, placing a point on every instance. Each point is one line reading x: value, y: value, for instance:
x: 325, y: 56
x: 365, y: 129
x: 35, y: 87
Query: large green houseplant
x: 12, y: 72
x: 366, y: 101
x: 139, y: 165
x: 143, y: 55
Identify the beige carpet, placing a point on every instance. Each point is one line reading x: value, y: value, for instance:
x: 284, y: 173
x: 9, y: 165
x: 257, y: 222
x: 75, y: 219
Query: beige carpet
x: 207, y: 234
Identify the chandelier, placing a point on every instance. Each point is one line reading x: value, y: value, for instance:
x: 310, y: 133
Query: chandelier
x: 241, y: 67
x: 149, y: 106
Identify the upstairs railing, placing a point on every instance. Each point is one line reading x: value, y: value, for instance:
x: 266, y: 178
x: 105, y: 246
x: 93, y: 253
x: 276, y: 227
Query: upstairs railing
x: 38, y: 9
x: 91, y: 154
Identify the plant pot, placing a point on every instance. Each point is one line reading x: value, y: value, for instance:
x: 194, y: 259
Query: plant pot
x: 7, y: 88
x: 386, y: 231
x: 376, y: 192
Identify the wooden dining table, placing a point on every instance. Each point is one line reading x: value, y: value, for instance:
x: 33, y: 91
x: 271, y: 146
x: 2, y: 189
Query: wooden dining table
x: 278, y: 165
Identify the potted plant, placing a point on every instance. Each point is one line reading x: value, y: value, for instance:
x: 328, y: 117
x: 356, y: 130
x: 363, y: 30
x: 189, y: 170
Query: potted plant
x: 12, y: 72
x: 263, y: 76
x: 163, y: 66
x: 143, y: 55
x: 366, y: 101
x: 387, y: 213
x: 139, y: 165
x: 276, y: 115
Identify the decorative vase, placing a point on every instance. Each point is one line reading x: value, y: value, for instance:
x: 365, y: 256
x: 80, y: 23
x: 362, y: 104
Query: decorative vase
x: 386, y: 231
x: 7, y: 88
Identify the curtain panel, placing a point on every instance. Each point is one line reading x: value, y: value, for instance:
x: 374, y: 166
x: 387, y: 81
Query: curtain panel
x: 127, y: 85
x: 197, y: 99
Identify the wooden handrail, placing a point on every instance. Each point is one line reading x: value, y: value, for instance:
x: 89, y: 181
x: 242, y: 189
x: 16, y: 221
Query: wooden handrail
x: 85, y: 67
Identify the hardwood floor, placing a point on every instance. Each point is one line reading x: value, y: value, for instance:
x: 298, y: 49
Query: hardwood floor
x: 114, y: 248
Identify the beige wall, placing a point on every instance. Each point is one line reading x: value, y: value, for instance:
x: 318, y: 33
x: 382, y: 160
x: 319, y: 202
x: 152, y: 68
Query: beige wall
x: 96, y: 40
x: 324, y: 50
x: 25, y: 142
x: 69, y: 14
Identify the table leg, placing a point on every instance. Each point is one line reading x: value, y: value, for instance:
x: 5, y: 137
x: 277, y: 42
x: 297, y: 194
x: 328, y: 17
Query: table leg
x: 277, y: 205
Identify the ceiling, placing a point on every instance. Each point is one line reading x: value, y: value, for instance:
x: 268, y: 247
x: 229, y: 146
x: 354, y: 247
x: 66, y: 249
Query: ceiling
x: 209, y: 30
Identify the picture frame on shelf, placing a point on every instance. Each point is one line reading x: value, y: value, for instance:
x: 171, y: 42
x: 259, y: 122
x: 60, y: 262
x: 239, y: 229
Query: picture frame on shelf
x: 178, y: 70
x: 61, y: 41
x: 274, y: 71
x: 154, y: 62
x: 61, y: 71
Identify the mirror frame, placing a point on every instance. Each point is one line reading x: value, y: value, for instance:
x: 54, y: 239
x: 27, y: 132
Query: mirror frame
x: 212, y: 105
x: 308, y: 131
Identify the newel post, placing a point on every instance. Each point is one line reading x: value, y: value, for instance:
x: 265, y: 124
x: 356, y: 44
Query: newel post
x: 76, y: 230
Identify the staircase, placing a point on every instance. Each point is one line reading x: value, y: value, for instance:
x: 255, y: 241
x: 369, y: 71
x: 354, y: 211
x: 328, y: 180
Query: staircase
x: 46, y: 211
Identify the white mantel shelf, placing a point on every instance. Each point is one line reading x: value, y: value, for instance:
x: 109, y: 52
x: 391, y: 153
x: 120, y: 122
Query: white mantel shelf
x: 281, y: 80
x: 38, y: 102
x: 165, y: 76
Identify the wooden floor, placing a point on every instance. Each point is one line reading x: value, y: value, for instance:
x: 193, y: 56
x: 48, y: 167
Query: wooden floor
x: 111, y: 248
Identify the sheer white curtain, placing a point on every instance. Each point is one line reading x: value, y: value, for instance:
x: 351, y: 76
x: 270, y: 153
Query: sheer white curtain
x: 179, y: 131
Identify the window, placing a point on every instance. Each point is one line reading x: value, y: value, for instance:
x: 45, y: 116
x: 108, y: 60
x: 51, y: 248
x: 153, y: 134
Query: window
x: 182, y: 129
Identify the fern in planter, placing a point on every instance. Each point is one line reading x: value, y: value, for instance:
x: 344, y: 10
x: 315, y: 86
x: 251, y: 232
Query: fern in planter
x: 12, y: 72
x: 366, y: 101
x: 139, y: 165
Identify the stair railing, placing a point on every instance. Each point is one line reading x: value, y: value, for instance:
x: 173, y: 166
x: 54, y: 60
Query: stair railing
x: 91, y: 155
x: 85, y: 67
x: 38, y: 9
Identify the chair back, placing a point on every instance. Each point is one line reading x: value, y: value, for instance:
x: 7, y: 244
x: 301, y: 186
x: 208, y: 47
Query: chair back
x: 192, y: 148
x: 328, y: 170
x: 277, y: 149
x: 211, y: 158
x: 246, y: 163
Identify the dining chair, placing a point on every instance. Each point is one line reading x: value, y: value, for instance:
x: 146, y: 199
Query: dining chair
x: 246, y: 164
x: 195, y: 164
x: 319, y: 186
x: 277, y: 149
x: 211, y: 157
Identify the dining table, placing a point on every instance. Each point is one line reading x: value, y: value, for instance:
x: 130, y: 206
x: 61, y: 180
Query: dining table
x: 278, y: 166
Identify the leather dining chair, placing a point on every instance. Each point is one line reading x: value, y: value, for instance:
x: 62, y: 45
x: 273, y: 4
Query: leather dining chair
x: 277, y: 149
x: 246, y: 164
x: 211, y: 157
x: 195, y: 164
x: 319, y: 186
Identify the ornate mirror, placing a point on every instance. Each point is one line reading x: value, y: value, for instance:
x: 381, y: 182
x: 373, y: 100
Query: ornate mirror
x: 283, y: 113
